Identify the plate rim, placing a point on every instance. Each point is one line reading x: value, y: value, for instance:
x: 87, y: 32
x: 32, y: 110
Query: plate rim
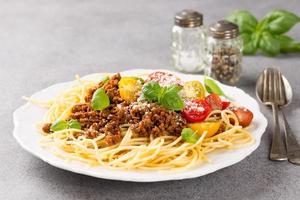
x: 178, y: 176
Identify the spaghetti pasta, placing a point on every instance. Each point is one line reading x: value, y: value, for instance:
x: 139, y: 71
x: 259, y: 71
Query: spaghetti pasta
x: 147, y: 153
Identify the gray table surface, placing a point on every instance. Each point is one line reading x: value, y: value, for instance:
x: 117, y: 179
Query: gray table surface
x: 46, y: 42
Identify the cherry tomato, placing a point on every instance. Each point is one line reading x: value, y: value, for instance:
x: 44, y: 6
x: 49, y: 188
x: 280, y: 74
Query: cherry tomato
x: 244, y: 115
x: 215, y: 101
x: 164, y: 78
x: 129, y: 87
x: 193, y: 90
x: 210, y: 127
x: 196, y: 110
x: 225, y: 104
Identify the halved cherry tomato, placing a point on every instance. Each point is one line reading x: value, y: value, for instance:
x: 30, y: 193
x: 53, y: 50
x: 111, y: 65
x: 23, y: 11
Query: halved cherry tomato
x: 164, y: 78
x: 196, y: 110
x: 193, y: 90
x: 129, y: 87
x: 225, y: 104
x: 210, y: 127
x: 215, y: 101
x: 244, y: 115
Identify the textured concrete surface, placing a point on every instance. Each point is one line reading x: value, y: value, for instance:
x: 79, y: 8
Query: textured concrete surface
x: 45, y: 42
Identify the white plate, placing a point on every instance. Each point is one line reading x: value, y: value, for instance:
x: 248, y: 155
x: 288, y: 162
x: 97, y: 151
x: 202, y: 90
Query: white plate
x: 26, y: 134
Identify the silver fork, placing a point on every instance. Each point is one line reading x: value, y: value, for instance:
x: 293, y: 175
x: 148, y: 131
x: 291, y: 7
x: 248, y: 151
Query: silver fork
x: 271, y: 96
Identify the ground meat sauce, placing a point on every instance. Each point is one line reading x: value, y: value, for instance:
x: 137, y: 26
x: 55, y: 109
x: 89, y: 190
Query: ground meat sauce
x: 106, y: 121
x: 150, y: 118
x: 46, y: 127
x: 144, y: 118
x: 111, y: 88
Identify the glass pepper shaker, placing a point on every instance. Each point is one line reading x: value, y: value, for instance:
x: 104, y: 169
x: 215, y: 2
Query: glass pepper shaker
x: 189, y: 42
x: 225, y: 52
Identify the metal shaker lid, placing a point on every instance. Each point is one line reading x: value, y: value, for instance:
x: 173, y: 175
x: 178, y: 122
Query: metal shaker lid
x: 224, y: 30
x: 188, y: 18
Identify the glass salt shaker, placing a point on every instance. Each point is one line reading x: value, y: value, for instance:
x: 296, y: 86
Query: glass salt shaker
x: 189, y: 42
x: 225, y: 52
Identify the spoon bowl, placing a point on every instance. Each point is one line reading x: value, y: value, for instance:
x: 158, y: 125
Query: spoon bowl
x: 287, y: 89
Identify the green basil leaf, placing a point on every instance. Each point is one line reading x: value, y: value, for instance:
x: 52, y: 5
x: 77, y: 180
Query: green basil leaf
x: 284, y: 39
x: 170, y: 99
x: 262, y: 26
x: 100, y: 100
x: 189, y: 135
x: 246, y: 37
x: 287, y: 44
x: 212, y: 87
x: 292, y: 47
x: 105, y: 79
x: 59, y: 125
x: 249, y: 48
x: 244, y: 19
x: 268, y: 44
x: 255, y: 37
x: 73, y: 123
x: 281, y: 21
x: 150, y: 91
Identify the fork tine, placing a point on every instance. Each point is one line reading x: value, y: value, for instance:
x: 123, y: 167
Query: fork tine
x: 281, y: 89
x: 271, y: 86
x: 280, y: 92
x: 276, y: 85
x: 265, y: 85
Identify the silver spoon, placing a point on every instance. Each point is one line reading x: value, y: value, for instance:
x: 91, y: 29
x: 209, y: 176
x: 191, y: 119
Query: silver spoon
x: 292, y: 146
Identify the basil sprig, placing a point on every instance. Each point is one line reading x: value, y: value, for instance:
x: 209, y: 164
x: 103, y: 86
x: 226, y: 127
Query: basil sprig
x: 189, y: 135
x: 151, y: 91
x: 167, y: 96
x: 59, y: 125
x: 170, y: 99
x: 100, y: 100
x: 73, y: 123
x: 266, y: 35
x: 105, y: 79
x: 212, y: 87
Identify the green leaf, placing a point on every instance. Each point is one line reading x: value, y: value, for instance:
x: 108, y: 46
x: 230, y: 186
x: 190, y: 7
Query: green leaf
x: 262, y: 26
x: 244, y: 19
x: 212, y: 87
x: 100, y: 100
x: 284, y: 39
x: 269, y: 45
x: 189, y: 135
x: 168, y: 96
x: 170, y: 99
x: 281, y: 21
x: 292, y: 47
x: 249, y: 47
x: 150, y: 91
x: 255, y: 37
x: 73, y: 123
x: 105, y: 79
x: 59, y: 125
x: 287, y: 44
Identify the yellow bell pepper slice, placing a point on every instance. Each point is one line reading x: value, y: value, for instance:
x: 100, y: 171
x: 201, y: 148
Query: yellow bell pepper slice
x: 210, y: 127
x: 193, y: 90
